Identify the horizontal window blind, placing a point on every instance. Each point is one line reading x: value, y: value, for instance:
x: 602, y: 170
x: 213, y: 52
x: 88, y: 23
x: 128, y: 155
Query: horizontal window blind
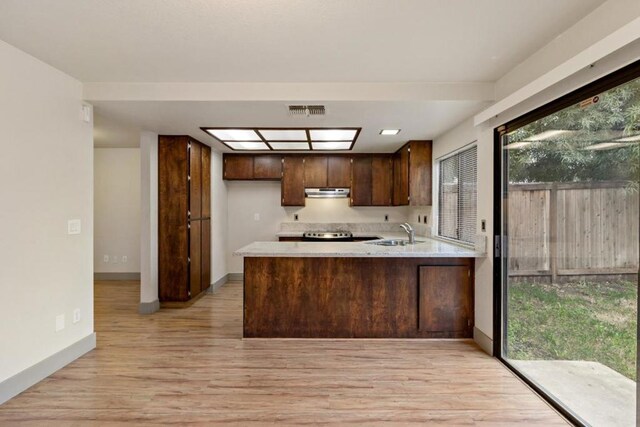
x: 457, y: 196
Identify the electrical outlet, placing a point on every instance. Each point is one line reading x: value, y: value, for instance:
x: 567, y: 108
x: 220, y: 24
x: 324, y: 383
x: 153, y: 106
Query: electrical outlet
x: 74, y: 226
x: 76, y: 315
x: 425, y: 219
x: 105, y: 258
x: 256, y: 217
x: 483, y: 225
x: 125, y: 258
x: 295, y: 217
x: 386, y: 218
x: 418, y: 219
x: 59, y: 322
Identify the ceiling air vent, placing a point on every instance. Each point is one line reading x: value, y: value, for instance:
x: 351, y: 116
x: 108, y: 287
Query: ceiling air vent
x: 306, y: 110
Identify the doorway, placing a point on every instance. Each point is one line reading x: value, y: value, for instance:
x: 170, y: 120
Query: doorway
x: 566, y: 271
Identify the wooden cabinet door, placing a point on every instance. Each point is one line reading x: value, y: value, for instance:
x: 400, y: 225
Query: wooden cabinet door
x: 206, y: 254
x: 361, y: 183
x: 195, y: 256
x: 315, y: 171
x: 267, y: 167
x: 173, y: 205
x: 381, y: 180
x: 401, y: 177
x: 420, y: 173
x: 445, y: 299
x: 238, y: 167
x: 206, y: 181
x: 339, y: 171
x: 195, y: 180
x: 292, y: 181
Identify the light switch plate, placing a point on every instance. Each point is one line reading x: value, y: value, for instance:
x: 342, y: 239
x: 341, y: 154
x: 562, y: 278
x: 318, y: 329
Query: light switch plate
x: 256, y: 217
x: 74, y: 226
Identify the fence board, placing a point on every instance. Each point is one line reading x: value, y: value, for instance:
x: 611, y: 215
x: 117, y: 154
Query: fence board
x: 596, y: 228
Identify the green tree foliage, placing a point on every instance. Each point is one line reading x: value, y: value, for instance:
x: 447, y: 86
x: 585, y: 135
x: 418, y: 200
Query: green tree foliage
x: 565, y: 157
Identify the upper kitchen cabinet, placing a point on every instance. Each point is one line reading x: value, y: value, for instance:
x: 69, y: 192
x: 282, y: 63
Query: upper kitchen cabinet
x: 315, y: 171
x: 339, y: 171
x: 238, y: 167
x: 266, y: 167
x: 412, y: 174
x: 371, y: 180
x: 327, y: 171
x: 292, y: 192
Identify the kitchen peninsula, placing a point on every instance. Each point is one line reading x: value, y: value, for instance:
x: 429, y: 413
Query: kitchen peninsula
x: 358, y: 289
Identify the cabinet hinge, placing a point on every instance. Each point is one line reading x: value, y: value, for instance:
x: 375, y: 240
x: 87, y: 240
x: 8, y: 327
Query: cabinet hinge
x: 189, y: 214
x: 351, y: 161
x: 188, y: 177
x: 188, y: 146
x: 189, y: 293
x: 189, y: 260
x: 188, y: 226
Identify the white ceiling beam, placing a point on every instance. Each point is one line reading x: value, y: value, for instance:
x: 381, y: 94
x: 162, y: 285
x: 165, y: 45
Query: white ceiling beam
x: 480, y: 91
x: 615, y: 41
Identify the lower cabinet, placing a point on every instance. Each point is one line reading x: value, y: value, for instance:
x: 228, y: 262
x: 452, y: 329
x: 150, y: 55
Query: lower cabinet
x: 445, y: 300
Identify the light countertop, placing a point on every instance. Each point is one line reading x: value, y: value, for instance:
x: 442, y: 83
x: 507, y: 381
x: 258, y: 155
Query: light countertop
x: 426, y: 248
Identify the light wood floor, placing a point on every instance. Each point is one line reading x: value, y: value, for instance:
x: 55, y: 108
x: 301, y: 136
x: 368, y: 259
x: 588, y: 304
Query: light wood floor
x: 191, y: 366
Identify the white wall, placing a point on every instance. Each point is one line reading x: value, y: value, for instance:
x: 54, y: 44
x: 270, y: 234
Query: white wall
x: 246, y: 198
x: 219, y: 222
x: 149, y: 218
x: 604, y: 20
x: 116, y: 210
x: 46, y: 178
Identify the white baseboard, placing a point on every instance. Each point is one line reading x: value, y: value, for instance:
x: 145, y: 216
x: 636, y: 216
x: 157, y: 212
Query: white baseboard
x: 483, y: 341
x: 21, y: 381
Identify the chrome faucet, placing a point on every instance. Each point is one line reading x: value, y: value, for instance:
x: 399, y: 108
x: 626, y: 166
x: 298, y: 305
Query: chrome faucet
x: 410, y: 231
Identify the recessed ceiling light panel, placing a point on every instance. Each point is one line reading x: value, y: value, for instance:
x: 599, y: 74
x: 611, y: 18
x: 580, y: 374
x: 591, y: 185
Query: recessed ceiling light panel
x: 284, y: 135
x: 333, y: 134
x: 289, y: 146
x: 331, y: 145
x: 389, y: 131
x: 247, y: 145
x: 235, y: 134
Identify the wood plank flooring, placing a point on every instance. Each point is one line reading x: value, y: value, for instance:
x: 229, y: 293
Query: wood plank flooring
x: 190, y: 366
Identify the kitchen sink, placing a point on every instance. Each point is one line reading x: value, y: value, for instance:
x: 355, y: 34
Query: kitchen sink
x: 393, y: 242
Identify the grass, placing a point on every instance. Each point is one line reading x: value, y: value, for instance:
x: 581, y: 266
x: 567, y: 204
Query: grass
x: 574, y: 321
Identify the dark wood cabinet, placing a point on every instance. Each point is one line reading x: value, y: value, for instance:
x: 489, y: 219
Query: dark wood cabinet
x: 295, y: 297
x: 445, y: 300
x: 267, y: 167
x: 371, y: 180
x: 339, y: 172
x: 412, y: 174
x: 292, y: 191
x: 184, y: 205
x: 315, y: 171
x: 399, y: 179
x: 253, y: 167
x: 237, y: 167
x: 361, y: 181
x: 381, y: 180
x: 327, y: 171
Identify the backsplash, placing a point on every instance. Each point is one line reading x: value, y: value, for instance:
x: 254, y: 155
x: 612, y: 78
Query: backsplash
x: 394, y: 227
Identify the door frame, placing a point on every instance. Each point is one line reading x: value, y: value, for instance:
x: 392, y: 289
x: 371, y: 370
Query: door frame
x: 500, y: 215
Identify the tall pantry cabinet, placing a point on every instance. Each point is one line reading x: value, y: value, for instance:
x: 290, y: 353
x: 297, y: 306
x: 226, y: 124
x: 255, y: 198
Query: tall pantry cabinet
x: 184, y: 218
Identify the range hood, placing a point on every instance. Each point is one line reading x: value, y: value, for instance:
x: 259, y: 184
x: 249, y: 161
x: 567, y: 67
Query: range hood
x: 326, y: 193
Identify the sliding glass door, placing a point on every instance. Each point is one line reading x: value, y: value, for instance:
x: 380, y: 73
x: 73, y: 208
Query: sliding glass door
x: 569, y: 232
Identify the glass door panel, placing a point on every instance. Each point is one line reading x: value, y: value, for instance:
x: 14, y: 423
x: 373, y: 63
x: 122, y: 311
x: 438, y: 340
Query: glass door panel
x: 570, y: 215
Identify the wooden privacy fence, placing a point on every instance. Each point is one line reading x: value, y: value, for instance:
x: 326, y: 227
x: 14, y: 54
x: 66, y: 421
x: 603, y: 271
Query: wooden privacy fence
x: 564, y: 229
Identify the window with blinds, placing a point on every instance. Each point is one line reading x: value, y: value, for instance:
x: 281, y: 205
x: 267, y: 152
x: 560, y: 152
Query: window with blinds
x: 457, y: 196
